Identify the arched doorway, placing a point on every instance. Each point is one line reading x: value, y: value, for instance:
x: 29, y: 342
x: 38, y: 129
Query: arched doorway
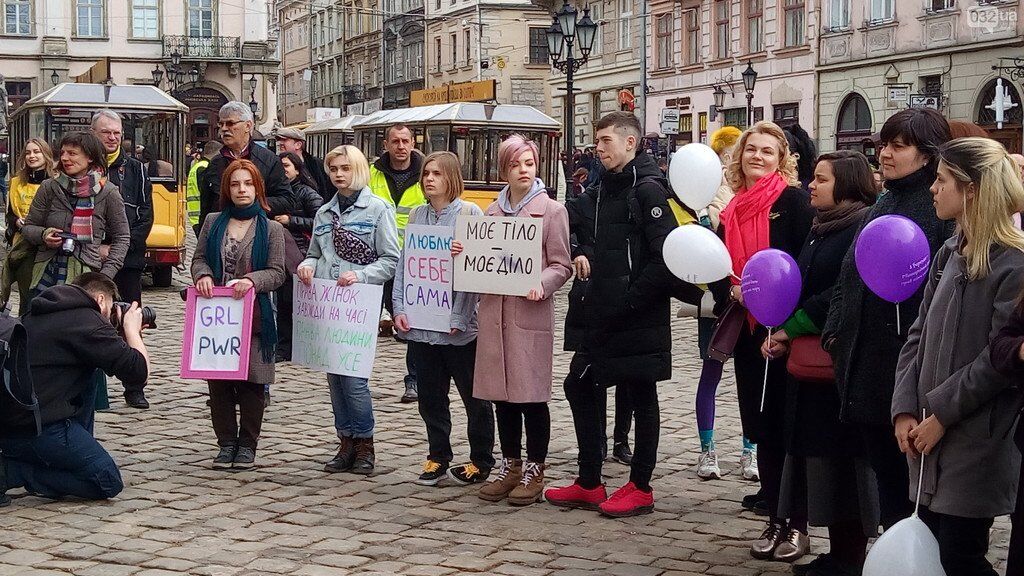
x: 853, y: 131
x: 1010, y: 134
x: 204, y: 105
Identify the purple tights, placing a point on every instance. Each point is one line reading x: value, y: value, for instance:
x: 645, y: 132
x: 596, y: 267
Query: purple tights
x: 710, y: 375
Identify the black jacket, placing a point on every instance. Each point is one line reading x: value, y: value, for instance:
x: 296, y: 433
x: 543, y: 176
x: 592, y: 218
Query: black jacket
x: 1004, y: 352
x: 300, y: 221
x: 626, y: 306
x: 136, y: 189
x: 581, y: 243
x: 69, y: 339
x: 315, y: 166
x: 279, y: 192
x: 860, y: 333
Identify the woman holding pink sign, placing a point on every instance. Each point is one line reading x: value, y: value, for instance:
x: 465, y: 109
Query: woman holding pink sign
x: 242, y: 248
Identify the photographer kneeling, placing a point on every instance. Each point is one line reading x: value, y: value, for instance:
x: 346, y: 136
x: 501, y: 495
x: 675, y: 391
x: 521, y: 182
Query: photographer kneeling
x: 71, y: 334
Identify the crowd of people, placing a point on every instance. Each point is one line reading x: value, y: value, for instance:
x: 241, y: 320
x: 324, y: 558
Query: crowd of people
x: 936, y: 375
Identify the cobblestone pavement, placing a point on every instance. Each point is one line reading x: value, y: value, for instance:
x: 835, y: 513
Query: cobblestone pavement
x: 177, y: 516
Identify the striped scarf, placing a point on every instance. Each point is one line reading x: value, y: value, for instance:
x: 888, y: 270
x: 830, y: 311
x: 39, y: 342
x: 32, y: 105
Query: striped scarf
x: 84, y: 191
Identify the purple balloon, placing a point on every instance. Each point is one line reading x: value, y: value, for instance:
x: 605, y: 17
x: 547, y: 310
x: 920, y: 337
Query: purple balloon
x: 771, y: 286
x: 893, y: 257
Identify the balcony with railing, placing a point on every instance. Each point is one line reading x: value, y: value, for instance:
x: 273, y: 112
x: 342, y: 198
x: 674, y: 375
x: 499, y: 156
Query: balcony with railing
x: 206, y: 48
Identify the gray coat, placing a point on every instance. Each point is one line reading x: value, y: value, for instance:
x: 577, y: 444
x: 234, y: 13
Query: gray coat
x: 945, y: 368
x: 264, y: 281
x: 52, y: 208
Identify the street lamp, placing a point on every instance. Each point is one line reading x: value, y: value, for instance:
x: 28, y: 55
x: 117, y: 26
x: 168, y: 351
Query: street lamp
x: 54, y: 78
x: 749, y: 80
x: 175, y: 58
x: 253, y: 105
x: 564, y: 33
x: 193, y: 75
x: 158, y: 75
x: 252, y: 82
x: 719, y: 96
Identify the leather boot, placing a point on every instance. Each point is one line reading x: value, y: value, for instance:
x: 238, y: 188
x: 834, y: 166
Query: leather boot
x: 531, y: 486
x: 346, y: 455
x: 510, y: 473
x: 365, y: 457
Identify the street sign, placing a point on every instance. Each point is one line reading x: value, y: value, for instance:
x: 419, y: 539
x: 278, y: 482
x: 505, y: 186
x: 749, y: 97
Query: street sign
x: 669, y: 121
x: 897, y: 95
x: 465, y: 92
x: 932, y: 101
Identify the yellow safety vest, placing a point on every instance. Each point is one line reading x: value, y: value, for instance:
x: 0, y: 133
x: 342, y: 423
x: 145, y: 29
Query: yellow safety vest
x: 411, y: 198
x: 192, y: 191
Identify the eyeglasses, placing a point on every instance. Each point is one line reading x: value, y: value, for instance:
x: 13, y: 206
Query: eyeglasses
x: 228, y: 123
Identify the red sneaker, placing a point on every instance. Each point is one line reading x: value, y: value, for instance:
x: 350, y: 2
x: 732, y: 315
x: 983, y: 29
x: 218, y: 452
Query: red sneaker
x: 628, y: 501
x: 576, y: 496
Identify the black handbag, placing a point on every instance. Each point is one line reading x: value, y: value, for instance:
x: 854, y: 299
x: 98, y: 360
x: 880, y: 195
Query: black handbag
x: 727, y: 332
x: 19, y: 408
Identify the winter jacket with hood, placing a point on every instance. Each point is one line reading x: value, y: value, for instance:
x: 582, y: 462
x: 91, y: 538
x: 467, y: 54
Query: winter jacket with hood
x: 279, y: 191
x: 136, y: 190
x: 70, y: 339
x: 300, y: 222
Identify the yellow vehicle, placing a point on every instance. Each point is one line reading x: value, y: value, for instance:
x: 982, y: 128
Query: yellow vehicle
x: 472, y: 131
x: 152, y: 119
x: 324, y: 136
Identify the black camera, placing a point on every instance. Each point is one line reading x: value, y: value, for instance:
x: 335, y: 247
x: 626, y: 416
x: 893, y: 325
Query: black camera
x: 148, y: 315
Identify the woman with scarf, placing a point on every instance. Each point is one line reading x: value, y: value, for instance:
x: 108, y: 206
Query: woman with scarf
x: 824, y: 465
x: 34, y: 166
x: 770, y: 210
x: 355, y: 240
x: 240, y: 247
x: 516, y: 340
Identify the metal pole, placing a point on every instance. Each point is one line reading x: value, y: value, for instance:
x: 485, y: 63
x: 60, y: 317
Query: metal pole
x: 643, y: 66
x: 570, y: 104
x: 479, y: 41
x: 309, y: 23
x: 750, y: 109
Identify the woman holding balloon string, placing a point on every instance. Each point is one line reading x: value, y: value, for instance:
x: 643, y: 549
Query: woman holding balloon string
x: 824, y: 464
x: 861, y: 332
x: 770, y: 210
x: 946, y: 370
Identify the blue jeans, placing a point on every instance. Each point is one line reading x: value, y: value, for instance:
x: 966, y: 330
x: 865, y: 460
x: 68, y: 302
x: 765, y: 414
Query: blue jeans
x: 352, y: 406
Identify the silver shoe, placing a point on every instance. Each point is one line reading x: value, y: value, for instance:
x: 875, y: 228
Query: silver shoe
x: 748, y: 462
x: 765, y: 546
x: 707, y: 466
x: 793, y: 547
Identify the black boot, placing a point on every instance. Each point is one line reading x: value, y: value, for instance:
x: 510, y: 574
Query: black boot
x: 365, y: 457
x: 136, y: 399
x: 342, y: 462
x: 622, y: 453
x: 5, y: 500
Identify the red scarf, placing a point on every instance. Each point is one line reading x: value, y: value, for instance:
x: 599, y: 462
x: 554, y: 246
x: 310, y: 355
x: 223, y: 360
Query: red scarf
x: 746, y: 220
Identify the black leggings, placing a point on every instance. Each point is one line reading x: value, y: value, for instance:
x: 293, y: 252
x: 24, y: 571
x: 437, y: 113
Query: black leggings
x: 511, y: 419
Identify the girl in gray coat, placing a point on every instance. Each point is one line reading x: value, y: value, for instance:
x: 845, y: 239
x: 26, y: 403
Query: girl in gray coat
x: 970, y: 473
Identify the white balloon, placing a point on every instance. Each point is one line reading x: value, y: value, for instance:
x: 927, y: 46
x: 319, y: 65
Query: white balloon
x: 907, y: 549
x: 695, y: 173
x: 695, y: 255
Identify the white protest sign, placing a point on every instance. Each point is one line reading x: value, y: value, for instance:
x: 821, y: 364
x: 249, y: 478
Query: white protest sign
x: 218, y: 334
x: 500, y: 255
x: 334, y: 328
x: 427, y: 269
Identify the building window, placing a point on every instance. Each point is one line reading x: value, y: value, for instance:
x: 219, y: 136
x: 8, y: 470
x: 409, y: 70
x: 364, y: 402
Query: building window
x: 596, y: 11
x: 595, y: 111
x: 786, y: 114
x: 391, y: 68
x: 937, y: 5
x: 883, y: 10
x: 18, y: 93
x: 89, y: 18
x: 200, y: 19
x: 17, y: 17
x: 538, y: 45
x: 692, y: 20
x: 854, y: 124
x: 467, y: 42
x: 794, y: 23
x: 838, y: 15
x: 437, y: 54
x: 721, y: 29
x: 146, y: 19
x: 455, y: 50
x: 437, y: 4
x: 625, y: 24
x: 754, y: 19
x: 663, y: 40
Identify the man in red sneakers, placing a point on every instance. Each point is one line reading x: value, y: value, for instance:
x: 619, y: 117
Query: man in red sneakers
x: 627, y: 334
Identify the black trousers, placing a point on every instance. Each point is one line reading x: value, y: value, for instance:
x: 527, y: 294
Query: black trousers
x: 891, y: 472
x: 241, y: 428
x: 1015, y: 554
x: 129, y: 285
x: 284, y: 317
x: 587, y: 398
x: 439, y: 365
x: 623, y: 416
x: 535, y: 418
x: 963, y: 543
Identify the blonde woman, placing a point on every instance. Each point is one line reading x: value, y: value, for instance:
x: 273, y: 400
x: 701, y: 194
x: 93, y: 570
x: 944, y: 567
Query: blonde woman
x: 355, y: 240
x: 945, y: 368
x: 34, y: 166
x: 441, y: 357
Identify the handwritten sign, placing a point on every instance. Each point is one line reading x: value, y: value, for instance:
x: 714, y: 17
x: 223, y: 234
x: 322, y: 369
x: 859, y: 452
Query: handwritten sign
x: 334, y: 328
x: 427, y: 293
x: 218, y: 335
x: 500, y: 255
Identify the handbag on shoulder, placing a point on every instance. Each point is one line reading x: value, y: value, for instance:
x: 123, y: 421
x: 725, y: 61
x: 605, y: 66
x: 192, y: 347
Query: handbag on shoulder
x: 727, y: 332
x: 809, y: 362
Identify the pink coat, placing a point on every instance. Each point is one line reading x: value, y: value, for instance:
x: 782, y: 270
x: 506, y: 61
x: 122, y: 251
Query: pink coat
x: 515, y: 345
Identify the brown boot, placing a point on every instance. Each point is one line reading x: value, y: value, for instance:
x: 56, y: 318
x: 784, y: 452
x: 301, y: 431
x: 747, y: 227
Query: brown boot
x: 508, y: 477
x: 346, y: 455
x: 531, y: 486
x: 365, y: 457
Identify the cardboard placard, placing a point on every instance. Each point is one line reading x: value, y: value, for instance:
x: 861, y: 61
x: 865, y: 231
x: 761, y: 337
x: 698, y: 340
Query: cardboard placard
x: 427, y: 266
x: 218, y: 335
x: 334, y: 328
x: 500, y: 255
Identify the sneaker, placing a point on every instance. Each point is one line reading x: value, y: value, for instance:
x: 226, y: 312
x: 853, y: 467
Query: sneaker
x: 136, y: 399
x: 410, y: 395
x: 342, y: 462
x: 432, y: 473
x: 225, y: 457
x: 794, y: 546
x: 510, y: 473
x: 576, y: 496
x: 622, y: 454
x: 748, y: 461
x: 531, y: 488
x: 765, y: 545
x: 821, y: 562
x: 628, y: 501
x: 707, y: 466
x: 467, y: 474
x: 245, y: 458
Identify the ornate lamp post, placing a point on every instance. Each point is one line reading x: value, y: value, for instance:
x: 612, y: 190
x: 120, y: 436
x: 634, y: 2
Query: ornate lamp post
x: 719, y: 96
x: 565, y: 34
x: 749, y: 80
x: 55, y: 78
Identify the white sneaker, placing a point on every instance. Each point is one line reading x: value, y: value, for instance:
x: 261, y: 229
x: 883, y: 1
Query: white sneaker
x: 748, y: 461
x: 707, y: 466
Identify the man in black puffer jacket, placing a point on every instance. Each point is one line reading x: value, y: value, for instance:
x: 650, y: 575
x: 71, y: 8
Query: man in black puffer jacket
x: 627, y: 339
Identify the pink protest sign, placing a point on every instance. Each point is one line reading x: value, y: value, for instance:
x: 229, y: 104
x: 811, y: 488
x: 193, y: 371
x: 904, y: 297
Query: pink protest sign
x: 218, y: 335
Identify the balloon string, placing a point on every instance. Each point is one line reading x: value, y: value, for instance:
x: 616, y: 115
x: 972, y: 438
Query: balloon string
x: 898, y: 330
x: 764, y: 386
x: 920, y: 476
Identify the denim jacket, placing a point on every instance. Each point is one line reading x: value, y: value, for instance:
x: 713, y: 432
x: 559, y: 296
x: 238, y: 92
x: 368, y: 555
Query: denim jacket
x: 372, y: 221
